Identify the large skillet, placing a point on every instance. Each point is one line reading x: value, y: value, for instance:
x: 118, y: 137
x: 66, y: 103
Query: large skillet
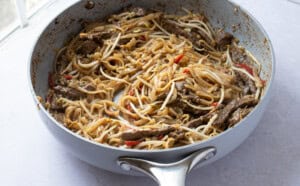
x: 167, y: 167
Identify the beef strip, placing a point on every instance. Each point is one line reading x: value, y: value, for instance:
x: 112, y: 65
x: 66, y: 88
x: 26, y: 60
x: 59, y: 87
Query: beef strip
x: 202, y: 120
x: 191, y: 98
x: 100, y: 35
x: 173, y: 28
x: 240, y: 83
x: 238, y: 115
x: 124, y: 41
x: 87, y: 47
x: 59, y: 116
x: 225, y: 113
x: 245, y: 82
x: 185, y: 107
x: 54, y: 105
x: 194, y: 35
x: 68, y: 92
x: 238, y: 55
x: 223, y: 39
x: 248, y: 100
x: 136, y: 135
x: 161, y: 97
x: 203, y: 36
x: 177, y: 135
x: 59, y: 80
x: 90, y: 87
x: 188, y: 96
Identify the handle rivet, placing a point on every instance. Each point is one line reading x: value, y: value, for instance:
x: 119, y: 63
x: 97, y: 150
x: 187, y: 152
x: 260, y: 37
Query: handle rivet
x: 125, y: 166
x: 210, y: 155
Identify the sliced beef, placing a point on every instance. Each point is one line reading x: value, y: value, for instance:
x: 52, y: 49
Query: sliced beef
x: 174, y: 29
x: 106, y: 34
x: 223, y: 39
x: 59, y: 80
x: 87, y: 47
x: 245, y: 82
x: 59, y: 116
x: 192, y: 99
x: 51, y: 99
x: 238, y: 115
x: 136, y: 135
x: 161, y: 97
x: 238, y: 55
x: 185, y: 94
x: 241, y: 83
x: 177, y: 135
x: 194, y: 35
x: 195, y: 99
x: 54, y: 105
x: 202, y: 120
x: 186, y: 108
x: 169, y: 121
x: 98, y: 35
x: 90, y: 87
x: 203, y: 36
x: 225, y: 113
x: 124, y: 41
x: 248, y: 100
x: 68, y: 92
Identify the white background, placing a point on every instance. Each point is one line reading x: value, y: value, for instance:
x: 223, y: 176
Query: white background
x: 30, y: 156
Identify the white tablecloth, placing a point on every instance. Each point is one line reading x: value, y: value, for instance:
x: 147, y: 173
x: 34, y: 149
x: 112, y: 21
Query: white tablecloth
x: 29, y: 155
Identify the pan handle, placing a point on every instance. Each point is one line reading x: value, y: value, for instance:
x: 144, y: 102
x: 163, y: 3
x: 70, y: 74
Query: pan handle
x: 166, y: 174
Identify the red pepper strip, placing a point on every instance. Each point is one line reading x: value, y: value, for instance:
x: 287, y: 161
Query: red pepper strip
x: 160, y: 137
x: 178, y: 58
x: 128, y: 107
x: 140, y: 87
x: 186, y: 71
x: 50, y: 80
x: 131, y: 92
x: 68, y: 77
x: 263, y: 82
x: 246, y: 67
x: 143, y: 38
x: 215, y: 104
x: 132, y: 143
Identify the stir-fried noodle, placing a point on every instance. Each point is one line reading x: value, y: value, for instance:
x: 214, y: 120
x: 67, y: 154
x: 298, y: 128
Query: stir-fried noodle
x: 179, y: 81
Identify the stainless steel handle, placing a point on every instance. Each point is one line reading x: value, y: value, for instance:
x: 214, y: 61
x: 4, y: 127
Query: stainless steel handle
x: 166, y: 174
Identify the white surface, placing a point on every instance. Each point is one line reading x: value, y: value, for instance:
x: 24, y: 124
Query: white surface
x: 29, y: 155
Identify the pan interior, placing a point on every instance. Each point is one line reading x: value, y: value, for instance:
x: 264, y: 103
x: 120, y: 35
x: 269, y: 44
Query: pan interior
x: 67, y: 24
